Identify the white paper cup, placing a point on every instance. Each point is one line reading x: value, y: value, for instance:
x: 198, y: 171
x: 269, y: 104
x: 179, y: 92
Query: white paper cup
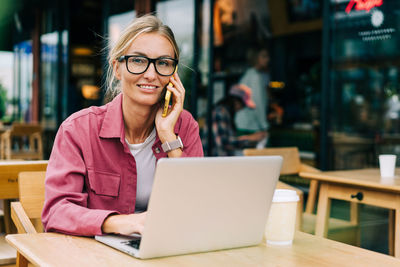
x: 387, y: 165
x: 282, y: 218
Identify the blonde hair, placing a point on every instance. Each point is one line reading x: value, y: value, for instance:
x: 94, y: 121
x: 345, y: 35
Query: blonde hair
x: 145, y: 24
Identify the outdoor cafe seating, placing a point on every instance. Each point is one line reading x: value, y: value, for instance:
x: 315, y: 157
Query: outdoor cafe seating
x: 26, y: 213
x: 306, y: 250
x: 22, y: 141
x: 29, y: 190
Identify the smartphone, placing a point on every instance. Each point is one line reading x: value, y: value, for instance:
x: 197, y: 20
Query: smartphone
x: 167, y: 98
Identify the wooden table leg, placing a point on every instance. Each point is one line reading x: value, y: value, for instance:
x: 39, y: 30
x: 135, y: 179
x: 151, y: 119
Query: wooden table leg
x: 299, y: 213
x: 355, y: 220
x: 397, y: 233
x: 8, y: 224
x: 323, y: 211
x: 21, y: 260
x: 391, y: 225
x: 312, y: 196
x: 7, y: 216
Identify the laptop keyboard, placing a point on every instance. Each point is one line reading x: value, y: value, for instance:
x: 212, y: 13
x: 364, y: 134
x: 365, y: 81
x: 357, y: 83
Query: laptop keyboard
x: 135, y: 243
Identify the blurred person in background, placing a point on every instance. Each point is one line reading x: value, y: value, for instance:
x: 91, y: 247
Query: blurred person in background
x: 225, y: 141
x: 257, y: 77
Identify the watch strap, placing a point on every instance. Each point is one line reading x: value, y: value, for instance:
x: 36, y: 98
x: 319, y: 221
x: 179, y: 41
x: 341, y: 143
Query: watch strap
x: 169, y: 146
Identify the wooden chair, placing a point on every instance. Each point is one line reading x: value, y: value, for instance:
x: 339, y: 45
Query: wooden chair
x: 26, y: 213
x: 291, y: 165
x: 22, y: 141
x: 339, y: 230
x: 9, y: 171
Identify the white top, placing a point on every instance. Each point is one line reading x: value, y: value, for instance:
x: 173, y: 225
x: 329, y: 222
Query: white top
x: 145, y: 167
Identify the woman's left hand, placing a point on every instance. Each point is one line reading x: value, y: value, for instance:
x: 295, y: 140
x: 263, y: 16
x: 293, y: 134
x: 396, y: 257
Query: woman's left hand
x: 165, y: 125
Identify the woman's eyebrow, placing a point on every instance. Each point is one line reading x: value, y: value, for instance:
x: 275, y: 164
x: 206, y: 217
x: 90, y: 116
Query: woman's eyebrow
x: 136, y: 53
x: 144, y: 54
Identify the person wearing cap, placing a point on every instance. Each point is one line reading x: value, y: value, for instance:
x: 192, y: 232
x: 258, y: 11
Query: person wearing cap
x: 224, y: 139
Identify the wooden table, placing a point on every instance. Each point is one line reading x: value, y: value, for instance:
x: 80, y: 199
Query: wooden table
x: 51, y: 249
x: 359, y: 186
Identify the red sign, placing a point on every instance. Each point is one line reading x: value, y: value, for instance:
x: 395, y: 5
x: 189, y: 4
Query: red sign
x: 366, y: 5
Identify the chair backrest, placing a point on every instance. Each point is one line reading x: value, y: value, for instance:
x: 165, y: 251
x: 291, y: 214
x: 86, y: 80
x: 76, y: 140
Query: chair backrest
x: 291, y: 157
x: 25, y: 129
x: 9, y: 171
x: 22, y: 132
x: 31, y: 193
x: 26, y: 213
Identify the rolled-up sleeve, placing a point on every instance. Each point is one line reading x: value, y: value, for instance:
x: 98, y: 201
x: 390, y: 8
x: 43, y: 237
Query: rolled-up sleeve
x: 66, y: 199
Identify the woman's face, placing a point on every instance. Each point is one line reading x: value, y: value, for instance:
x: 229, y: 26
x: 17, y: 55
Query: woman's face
x: 145, y: 88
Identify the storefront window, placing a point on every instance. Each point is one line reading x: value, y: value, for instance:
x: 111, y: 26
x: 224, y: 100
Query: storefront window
x: 49, y: 57
x: 54, y: 78
x: 364, y: 92
x: 6, y: 85
x: 22, y: 96
x: 288, y: 85
x: 117, y: 23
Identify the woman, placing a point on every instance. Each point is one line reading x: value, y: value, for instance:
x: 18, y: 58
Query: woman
x: 101, y: 169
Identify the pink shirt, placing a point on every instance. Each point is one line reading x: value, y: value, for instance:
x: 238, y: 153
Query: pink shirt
x: 91, y: 172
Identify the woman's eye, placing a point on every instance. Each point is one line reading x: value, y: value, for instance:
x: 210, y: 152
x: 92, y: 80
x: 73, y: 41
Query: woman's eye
x: 164, y: 63
x: 137, y: 60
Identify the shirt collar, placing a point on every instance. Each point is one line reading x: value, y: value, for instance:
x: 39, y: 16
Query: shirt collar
x: 113, y: 123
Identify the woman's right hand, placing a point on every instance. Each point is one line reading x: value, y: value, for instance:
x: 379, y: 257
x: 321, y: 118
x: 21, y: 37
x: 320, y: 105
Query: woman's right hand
x: 125, y: 224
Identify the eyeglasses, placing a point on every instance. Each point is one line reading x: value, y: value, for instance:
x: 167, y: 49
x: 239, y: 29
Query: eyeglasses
x: 164, y: 66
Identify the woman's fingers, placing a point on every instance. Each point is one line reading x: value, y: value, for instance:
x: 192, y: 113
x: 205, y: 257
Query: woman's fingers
x: 177, y: 89
x: 177, y: 95
x: 178, y: 79
x: 125, y: 224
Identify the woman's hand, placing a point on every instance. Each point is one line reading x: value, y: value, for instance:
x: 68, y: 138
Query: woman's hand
x: 165, y: 125
x: 125, y: 224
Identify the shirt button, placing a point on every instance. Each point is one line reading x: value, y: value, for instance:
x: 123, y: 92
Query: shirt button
x: 157, y: 150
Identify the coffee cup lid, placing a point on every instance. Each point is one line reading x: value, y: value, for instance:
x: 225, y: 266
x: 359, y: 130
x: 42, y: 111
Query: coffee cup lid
x: 285, y: 195
x: 387, y: 155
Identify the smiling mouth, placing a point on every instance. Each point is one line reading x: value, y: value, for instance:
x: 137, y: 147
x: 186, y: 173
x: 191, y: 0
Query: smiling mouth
x: 147, y: 87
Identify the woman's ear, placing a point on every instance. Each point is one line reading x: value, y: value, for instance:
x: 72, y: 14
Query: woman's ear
x: 116, y: 68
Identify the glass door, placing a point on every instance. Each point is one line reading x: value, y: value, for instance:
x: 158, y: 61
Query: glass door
x: 364, y: 92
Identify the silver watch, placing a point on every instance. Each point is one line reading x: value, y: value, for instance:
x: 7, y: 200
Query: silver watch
x: 168, y: 146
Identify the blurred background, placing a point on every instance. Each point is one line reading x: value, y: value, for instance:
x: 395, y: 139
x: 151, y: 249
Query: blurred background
x: 333, y: 69
x: 334, y: 65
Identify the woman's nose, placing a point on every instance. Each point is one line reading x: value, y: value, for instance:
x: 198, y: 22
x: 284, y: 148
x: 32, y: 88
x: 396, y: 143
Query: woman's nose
x: 150, y: 73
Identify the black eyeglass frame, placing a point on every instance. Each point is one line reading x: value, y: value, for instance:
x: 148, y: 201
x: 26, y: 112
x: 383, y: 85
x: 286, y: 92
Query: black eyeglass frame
x: 150, y: 60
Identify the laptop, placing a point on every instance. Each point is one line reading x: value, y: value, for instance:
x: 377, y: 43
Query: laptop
x: 204, y: 204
